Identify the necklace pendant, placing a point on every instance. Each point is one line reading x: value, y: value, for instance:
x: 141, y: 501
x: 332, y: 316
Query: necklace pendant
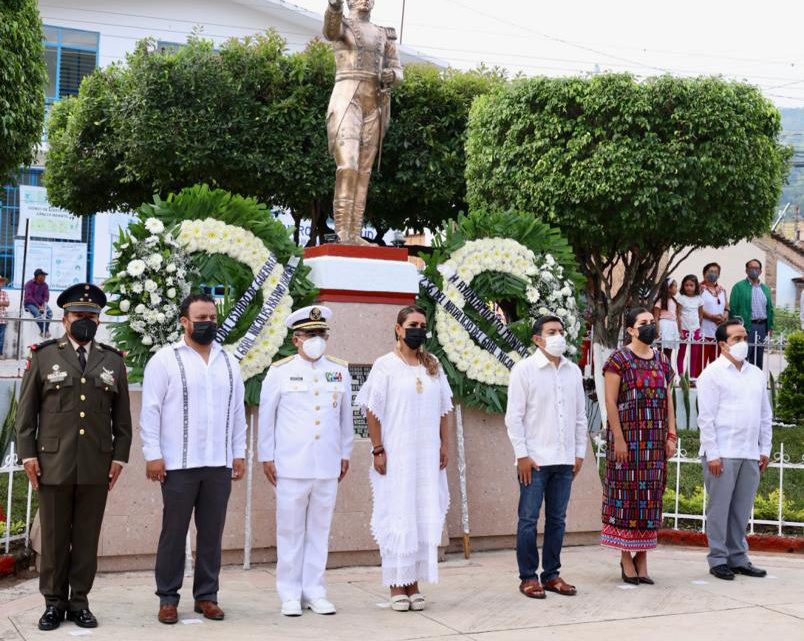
x: 419, y: 386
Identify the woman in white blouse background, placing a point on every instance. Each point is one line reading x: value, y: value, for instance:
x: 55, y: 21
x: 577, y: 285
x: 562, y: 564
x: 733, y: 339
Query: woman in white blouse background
x: 407, y: 399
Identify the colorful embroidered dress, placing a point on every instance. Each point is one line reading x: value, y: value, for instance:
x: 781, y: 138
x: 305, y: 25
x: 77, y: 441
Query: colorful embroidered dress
x: 632, y: 491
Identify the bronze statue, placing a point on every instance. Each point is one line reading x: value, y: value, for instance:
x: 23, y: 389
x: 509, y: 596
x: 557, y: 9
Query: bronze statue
x: 360, y: 107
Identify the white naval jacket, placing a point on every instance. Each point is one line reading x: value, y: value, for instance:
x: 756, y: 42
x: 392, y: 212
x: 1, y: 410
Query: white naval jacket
x: 306, y: 425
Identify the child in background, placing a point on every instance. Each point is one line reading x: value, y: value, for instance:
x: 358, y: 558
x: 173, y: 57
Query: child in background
x: 666, y: 315
x: 690, y: 316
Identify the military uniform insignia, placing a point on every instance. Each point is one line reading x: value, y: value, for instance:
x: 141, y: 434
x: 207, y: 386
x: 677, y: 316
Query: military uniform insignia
x: 334, y: 377
x: 56, y: 376
x: 315, y: 314
x: 107, y: 376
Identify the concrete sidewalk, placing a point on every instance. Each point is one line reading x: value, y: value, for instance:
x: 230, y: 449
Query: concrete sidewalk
x: 475, y: 600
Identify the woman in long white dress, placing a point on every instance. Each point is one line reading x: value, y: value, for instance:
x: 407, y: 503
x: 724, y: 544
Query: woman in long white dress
x: 406, y: 399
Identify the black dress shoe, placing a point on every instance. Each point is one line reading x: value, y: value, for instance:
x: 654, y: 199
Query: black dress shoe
x: 82, y: 618
x: 51, y: 619
x: 722, y: 572
x: 749, y: 570
x: 646, y: 580
x: 632, y: 580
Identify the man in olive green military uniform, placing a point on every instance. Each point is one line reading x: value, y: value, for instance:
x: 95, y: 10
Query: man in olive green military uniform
x: 73, y: 435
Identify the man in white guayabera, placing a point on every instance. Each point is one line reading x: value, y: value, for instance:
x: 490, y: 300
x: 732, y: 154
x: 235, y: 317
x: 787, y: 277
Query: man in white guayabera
x: 306, y: 432
x: 734, y: 420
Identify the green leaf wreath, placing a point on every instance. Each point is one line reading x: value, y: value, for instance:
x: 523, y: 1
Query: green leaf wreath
x: 177, y: 217
x: 546, y: 281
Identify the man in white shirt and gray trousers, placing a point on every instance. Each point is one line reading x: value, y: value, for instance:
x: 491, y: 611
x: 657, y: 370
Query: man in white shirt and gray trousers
x: 306, y: 434
x: 546, y: 421
x: 734, y: 421
x: 193, y: 429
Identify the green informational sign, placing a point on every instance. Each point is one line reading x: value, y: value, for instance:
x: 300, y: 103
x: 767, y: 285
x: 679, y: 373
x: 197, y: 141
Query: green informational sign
x: 46, y: 221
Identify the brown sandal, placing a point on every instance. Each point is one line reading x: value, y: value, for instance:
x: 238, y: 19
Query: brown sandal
x: 532, y: 589
x: 560, y: 586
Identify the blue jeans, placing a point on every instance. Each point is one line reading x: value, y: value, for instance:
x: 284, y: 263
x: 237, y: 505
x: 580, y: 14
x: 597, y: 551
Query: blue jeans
x: 757, y: 334
x: 33, y: 310
x: 551, y: 484
x: 2, y: 337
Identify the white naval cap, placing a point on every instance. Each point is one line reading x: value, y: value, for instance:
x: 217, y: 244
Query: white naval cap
x: 312, y: 317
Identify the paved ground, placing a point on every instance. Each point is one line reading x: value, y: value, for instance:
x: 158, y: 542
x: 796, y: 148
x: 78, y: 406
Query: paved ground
x: 476, y: 600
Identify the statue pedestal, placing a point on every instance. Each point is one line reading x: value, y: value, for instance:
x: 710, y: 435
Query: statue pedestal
x: 353, y: 274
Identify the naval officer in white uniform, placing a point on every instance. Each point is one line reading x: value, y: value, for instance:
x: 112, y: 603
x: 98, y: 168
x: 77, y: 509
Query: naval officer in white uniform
x: 305, y: 440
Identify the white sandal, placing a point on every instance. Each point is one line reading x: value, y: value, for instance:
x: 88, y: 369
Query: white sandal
x: 400, y: 603
x: 417, y: 602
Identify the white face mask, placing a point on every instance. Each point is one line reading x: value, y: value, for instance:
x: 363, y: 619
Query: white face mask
x: 555, y: 345
x: 739, y: 351
x: 314, y: 347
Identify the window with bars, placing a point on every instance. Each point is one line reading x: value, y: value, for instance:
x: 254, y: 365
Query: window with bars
x: 71, y: 54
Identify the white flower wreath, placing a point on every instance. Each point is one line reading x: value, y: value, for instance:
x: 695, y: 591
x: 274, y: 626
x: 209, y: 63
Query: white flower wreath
x: 548, y: 292
x: 216, y: 237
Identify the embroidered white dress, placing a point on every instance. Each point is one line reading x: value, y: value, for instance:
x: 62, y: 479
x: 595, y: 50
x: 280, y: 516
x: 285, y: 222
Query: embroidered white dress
x: 412, y: 498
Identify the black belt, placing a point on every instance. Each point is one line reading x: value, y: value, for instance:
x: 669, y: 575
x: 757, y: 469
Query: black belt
x: 759, y: 321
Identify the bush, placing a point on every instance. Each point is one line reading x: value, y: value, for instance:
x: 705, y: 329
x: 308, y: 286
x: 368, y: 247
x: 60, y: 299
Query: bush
x: 790, y: 397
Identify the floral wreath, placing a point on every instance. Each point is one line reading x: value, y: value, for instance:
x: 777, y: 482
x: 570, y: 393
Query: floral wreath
x: 526, y: 268
x: 215, y: 239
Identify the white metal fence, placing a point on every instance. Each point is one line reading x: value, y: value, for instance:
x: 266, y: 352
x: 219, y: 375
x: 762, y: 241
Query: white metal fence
x: 8, y: 470
x: 779, y: 460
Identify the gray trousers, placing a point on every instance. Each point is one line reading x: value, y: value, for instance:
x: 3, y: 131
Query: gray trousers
x: 731, y: 497
x: 204, y: 490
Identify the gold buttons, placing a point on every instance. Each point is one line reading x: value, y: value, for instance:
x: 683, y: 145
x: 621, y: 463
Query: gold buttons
x: 317, y: 408
x: 83, y: 380
x: 318, y: 422
x: 315, y: 380
x: 316, y: 393
x: 81, y: 431
x: 317, y: 436
x: 82, y: 414
x: 83, y: 398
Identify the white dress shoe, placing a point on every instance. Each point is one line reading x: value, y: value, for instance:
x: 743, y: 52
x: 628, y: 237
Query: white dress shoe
x: 291, y: 608
x: 320, y: 606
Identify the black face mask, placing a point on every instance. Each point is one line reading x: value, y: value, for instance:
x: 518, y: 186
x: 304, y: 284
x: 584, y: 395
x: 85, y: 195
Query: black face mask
x: 83, y: 330
x: 415, y: 337
x: 647, y: 333
x: 204, y: 332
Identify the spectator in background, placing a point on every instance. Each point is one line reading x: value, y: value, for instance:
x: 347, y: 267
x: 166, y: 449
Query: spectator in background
x: 715, y: 310
x: 690, y: 316
x: 665, y: 311
x: 35, y: 298
x: 3, y: 310
x: 751, y: 301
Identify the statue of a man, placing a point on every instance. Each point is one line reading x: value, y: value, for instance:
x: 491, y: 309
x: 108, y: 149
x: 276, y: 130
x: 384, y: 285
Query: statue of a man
x: 360, y: 107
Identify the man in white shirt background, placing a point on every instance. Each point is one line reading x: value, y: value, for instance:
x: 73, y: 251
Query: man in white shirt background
x: 306, y: 431
x: 734, y: 420
x: 547, y: 425
x: 193, y: 429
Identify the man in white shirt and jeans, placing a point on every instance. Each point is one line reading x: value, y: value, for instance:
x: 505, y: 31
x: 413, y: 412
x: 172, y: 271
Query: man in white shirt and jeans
x: 193, y: 429
x: 546, y: 421
x: 734, y: 420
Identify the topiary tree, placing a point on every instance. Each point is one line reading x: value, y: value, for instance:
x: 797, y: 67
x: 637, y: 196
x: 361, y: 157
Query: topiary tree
x: 790, y: 398
x: 23, y: 75
x: 636, y: 175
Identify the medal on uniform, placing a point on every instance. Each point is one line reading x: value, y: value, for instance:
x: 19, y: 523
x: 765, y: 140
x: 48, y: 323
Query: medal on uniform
x: 334, y: 399
x: 56, y: 376
x: 107, y: 376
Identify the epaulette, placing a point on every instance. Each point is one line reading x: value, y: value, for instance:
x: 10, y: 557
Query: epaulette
x: 390, y: 32
x: 38, y: 346
x: 282, y: 361
x: 337, y: 360
x: 112, y: 349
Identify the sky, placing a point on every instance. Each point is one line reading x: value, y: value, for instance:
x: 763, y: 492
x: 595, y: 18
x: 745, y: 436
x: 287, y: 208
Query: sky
x: 762, y: 43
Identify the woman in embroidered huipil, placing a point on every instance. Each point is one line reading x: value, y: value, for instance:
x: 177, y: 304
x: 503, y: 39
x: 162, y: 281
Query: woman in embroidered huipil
x: 406, y: 399
x: 641, y: 437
